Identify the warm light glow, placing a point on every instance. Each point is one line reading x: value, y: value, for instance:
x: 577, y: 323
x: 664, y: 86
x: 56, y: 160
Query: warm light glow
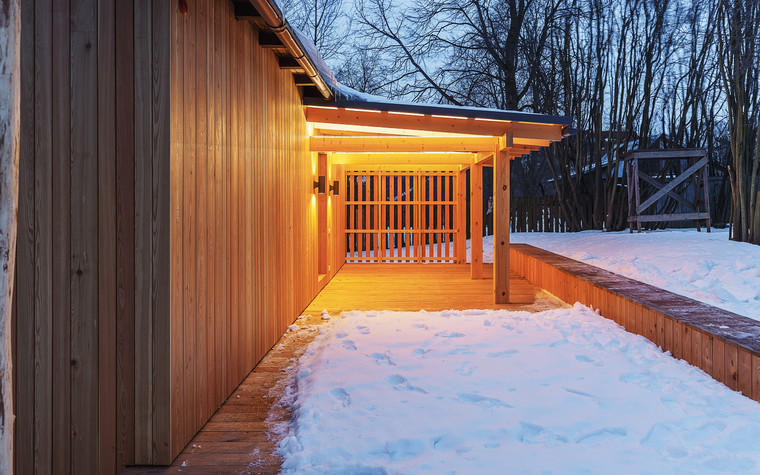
x: 362, y: 110
x: 493, y: 120
x: 406, y: 113
x: 448, y: 117
x: 322, y: 107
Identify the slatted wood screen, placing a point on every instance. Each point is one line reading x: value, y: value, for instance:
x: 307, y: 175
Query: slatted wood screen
x: 402, y: 216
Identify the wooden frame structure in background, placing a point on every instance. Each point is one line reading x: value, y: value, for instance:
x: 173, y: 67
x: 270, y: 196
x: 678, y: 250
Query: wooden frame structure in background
x: 697, y: 171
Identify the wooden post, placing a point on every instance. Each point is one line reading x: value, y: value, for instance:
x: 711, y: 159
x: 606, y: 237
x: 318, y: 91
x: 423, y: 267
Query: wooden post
x: 10, y: 100
x: 461, y: 217
x: 501, y: 193
x: 706, y: 184
x: 636, y: 192
x: 476, y: 221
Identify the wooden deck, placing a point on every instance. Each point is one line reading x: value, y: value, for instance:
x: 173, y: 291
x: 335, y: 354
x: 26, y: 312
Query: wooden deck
x: 237, y: 437
x: 431, y: 287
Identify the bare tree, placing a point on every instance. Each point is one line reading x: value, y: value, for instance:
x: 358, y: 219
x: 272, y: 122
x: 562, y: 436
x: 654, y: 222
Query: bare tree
x: 10, y: 30
x: 322, y: 21
x: 461, y: 52
x: 738, y: 51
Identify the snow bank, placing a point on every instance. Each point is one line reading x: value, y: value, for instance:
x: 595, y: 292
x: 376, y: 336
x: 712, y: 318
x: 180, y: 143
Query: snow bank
x: 705, y: 267
x: 508, y: 392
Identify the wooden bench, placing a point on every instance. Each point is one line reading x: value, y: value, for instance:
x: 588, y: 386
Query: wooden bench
x: 723, y: 344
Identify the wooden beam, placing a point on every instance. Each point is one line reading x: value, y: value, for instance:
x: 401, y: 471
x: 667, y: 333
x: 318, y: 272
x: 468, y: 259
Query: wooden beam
x: 302, y: 80
x: 401, y: 144
x: 289, y: 62
x: 501, y: 193
x: 402, y: 158
x: 324, y: 128
x: 427, y: 122
x: 246, y: 11
x: 529, y: 130
x: 461, y: 217
x: 531, y: 142
x: 406, y: 121
x: 269, y: 40
x: 660, y: 154
x: 476, y: 221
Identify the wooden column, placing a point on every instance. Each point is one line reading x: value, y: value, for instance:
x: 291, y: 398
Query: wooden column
x: 461, y: 217
x: 476, y: 221
x: 501, y: 227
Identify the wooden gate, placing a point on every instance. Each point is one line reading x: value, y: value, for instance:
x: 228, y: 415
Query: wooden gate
x: 401, y: 216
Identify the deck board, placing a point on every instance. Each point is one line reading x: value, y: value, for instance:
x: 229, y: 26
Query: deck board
x: 431, y: 287
x: 237, y: 437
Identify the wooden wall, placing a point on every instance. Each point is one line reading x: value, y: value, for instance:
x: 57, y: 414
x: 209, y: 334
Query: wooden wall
x: 167, y: 226
x: 93, y: 231
x: 244, y: 258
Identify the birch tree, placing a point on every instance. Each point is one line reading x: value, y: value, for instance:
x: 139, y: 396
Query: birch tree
x: 10, y: 30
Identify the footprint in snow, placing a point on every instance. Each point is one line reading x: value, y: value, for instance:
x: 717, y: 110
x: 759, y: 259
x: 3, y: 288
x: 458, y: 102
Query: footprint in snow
x: 584, y: 359
x: 400, y: 383
x: 382, y: 359
x: 466, y: 369
x: 460, y: 350
x: 601, y: 434
x: 421, y: 352
x: 363, y: 330
x: 341, y: 334
x: 483, y: 401
x: 502, y: 354
x: 446, y: 334
x: 348, y: 344
x: 342, y: 396
x: 535, y: 434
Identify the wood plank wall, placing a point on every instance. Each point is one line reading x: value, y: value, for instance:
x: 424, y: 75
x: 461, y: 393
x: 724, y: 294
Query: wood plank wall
x: 93, y: 222
x: 723, y: 344
x: 244, y: 230
x: 167, y: 226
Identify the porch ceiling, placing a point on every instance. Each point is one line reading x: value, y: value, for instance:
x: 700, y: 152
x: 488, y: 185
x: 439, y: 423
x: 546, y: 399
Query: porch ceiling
x: 378, y: 136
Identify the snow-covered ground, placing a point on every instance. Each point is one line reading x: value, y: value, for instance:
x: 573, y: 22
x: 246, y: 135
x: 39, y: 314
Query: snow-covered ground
x: 705, y: 267
x: 564, y: 391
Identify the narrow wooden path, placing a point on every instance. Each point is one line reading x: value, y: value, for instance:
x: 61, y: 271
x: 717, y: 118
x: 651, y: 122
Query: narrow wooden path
x: 238, y: 437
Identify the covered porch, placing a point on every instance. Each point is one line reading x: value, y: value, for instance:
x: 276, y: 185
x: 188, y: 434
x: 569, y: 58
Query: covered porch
x: 410, y: 177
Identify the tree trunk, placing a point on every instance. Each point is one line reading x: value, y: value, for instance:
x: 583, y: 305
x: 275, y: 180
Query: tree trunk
x: 10, y: 31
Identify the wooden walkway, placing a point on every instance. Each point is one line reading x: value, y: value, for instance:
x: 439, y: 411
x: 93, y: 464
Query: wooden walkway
x: 237, y: 438
x: 431, y: 287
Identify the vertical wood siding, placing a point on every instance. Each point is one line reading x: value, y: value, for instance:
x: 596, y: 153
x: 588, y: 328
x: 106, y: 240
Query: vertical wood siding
x: 167, y: 226
x: 93, y: 226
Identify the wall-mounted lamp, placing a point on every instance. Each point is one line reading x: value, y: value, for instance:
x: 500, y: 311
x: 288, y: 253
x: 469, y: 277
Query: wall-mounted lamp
x: 335, y: 188
x: 320, y: 184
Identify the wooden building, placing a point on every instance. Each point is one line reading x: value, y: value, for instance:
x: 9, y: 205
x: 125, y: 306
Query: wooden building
x: 170, y: 228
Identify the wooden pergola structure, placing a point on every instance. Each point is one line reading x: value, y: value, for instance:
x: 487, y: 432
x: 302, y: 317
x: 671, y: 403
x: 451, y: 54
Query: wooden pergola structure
x: 386, y: 135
